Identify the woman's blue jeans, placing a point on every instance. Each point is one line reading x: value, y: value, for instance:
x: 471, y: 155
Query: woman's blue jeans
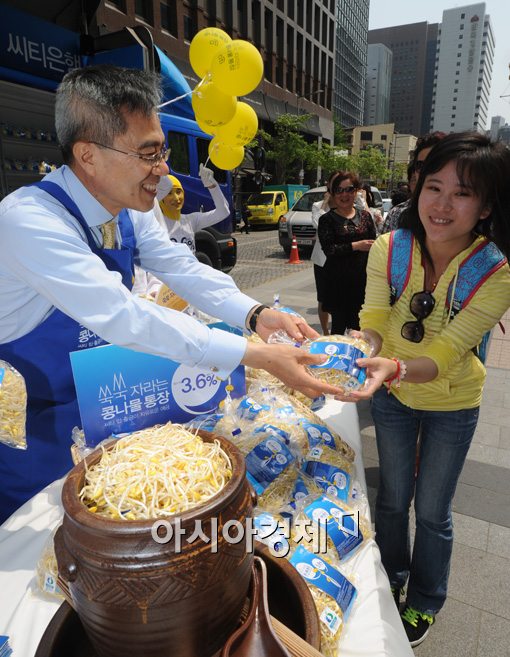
x: 445, y: 437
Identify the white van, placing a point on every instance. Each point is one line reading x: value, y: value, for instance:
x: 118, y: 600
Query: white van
x: 297, y: 222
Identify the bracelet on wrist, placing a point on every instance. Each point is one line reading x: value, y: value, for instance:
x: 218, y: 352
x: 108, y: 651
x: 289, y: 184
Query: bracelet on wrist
x: 398, y: 376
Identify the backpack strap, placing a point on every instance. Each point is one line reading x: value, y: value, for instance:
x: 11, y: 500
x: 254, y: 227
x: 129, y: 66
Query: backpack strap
x: 474, y: 270
x: 400, y: 262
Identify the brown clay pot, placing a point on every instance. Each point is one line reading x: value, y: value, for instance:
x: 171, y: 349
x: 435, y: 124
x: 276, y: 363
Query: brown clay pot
x: 141, y: 598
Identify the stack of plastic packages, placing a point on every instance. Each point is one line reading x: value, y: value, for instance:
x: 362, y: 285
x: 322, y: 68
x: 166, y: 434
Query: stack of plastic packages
x: 304, y: 476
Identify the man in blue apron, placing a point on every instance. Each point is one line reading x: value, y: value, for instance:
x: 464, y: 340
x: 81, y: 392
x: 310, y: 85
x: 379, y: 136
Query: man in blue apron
x: 67, y: 252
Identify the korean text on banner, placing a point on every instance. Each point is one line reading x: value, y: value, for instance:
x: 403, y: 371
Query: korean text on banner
x: 120, y: 390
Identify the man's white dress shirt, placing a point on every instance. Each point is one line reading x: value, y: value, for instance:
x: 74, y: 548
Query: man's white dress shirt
x: 46, y: 263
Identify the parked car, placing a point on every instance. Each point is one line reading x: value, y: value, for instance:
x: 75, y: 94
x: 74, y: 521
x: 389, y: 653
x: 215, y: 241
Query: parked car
x: 297, y: 222
x: 273, y: 202
x: 266, y: 208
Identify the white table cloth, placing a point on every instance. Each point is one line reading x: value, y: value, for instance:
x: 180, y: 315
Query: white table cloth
x: 374, y: 628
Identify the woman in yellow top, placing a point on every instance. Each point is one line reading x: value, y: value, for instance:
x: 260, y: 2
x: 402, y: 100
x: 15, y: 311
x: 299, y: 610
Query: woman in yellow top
x: 426, y: 339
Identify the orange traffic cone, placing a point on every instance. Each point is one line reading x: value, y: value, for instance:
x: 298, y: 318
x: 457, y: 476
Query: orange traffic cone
x: 294, y: 254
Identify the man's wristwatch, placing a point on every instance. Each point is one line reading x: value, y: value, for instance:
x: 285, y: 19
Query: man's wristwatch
x: 255, y: 316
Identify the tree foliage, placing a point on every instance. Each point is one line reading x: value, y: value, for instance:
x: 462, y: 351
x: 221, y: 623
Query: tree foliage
x: 288, y: 151
x: 398, y: 173
x: 340, y: 139
x: 370, y: 163
x: 332, y: 158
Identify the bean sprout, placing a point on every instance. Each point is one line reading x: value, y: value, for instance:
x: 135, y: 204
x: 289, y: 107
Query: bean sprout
x: 155, y: 473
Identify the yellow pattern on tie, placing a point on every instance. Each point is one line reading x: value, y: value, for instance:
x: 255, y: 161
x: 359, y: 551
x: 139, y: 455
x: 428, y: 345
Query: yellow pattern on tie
x: 108, y: 232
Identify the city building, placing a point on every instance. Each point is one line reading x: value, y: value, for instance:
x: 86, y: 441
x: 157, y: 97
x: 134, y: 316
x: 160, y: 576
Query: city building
x: 504, y: 134
x: 350, y: 61
x: 394, y: 145
x: 378, y: 84
x: 465, y: 54
x: 428, y: 79
x: 296, y: 41
x: 497, y: 122
x: 412, y: 73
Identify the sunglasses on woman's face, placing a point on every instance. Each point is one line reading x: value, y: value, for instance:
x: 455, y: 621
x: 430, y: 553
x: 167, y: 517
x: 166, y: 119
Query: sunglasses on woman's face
x: 421, y: 305
x: 345, y: 190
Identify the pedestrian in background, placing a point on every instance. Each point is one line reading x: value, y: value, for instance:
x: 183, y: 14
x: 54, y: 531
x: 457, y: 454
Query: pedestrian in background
x: 423, y: 147
x: 246, y: 220
x: 397, y: 197
x: 434, y: 289
x: 346, y: 234
x: 318, y: 256
x: 370, y: 206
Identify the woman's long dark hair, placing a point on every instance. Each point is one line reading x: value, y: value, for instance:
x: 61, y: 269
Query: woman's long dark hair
x: 369, y: 196
x: 482, y: 165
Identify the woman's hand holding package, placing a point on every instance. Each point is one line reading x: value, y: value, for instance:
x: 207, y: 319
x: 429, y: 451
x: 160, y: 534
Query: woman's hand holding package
x: 378, y: 370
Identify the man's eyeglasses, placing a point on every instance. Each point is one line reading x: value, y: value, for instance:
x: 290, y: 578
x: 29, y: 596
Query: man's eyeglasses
x: 154, y: 160
x: 344, y: 190
x: 421, y: 305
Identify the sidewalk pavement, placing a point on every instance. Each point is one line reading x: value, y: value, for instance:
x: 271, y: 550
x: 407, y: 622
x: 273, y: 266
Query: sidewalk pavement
x: 475, y: 621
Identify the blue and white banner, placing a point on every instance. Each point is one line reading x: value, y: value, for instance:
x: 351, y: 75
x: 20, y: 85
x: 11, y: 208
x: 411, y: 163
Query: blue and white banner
x: 35, y: 47
x: 120, y: 390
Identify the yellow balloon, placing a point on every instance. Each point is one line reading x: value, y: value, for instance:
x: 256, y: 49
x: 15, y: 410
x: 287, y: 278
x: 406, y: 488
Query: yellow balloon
x: 206, y: 128
x: 211, y: 105
x: 237, y: 68
x: 225, y: 156
x: 242, y: 128
x: 204, y: 46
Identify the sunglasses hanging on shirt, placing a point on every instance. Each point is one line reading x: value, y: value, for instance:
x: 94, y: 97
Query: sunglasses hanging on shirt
x: 421, y: 305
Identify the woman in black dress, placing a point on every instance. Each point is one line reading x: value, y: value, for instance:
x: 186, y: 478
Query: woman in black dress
x: 346, y: 235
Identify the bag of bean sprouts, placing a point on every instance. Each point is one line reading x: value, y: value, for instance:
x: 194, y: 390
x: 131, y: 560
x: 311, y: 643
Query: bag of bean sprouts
x: 46, y: 573
x: 334, y: 528
x: 305, y: 427
x: 330, y: 470
x: 13, y: 407
x: 341, y: 368
x: 334, y: 595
